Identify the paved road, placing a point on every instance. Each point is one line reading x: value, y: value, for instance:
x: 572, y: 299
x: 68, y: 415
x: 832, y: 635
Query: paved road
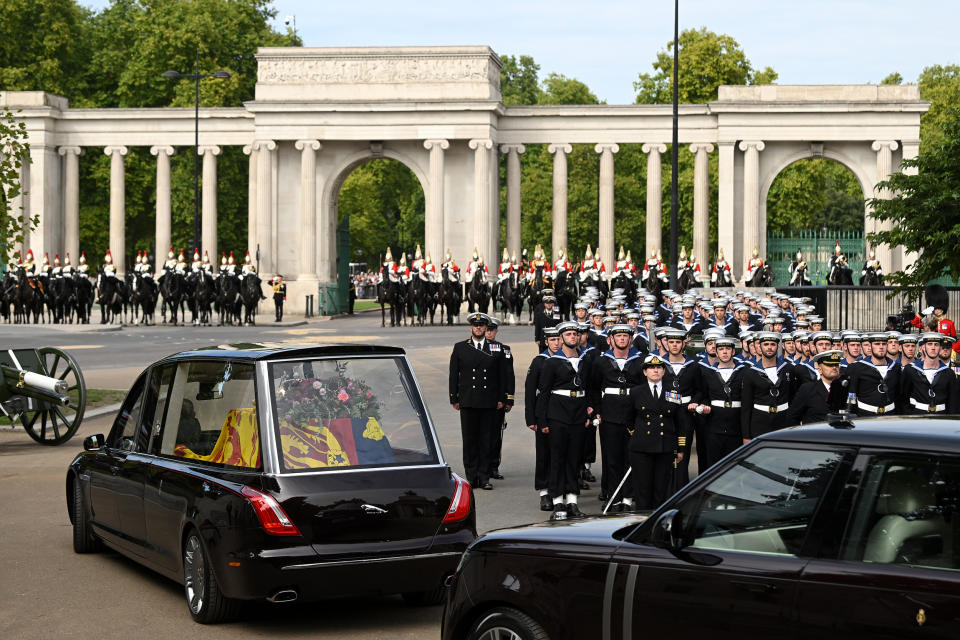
x: 46, y: 590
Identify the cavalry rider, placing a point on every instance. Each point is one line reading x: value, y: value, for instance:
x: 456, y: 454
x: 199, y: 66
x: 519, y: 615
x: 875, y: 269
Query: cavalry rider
x: 754, y: 264
x: 231, y: 268
x: 654, y: 262
x: 180, y: 266
x: 697, y: 271
x: 57, y: 270
x: 561, y: 264
x: 475, y: 264
x: 601, y: 267
x: 684, y: 262
x: 871, y: 262
x: 247, y: 268
x: 205, y: 265
x: 721, y: 276
x: 428, y: 270
x: 108, y: 270
x: 31, y: 271
x: 83, y: 267
x: 622, y: 265
x: 67, y: 270
x: 538, y: 261
x: 798, y: 272
x: 391, y: 266
x: 196, y: 264
x: 453, y: 270
x: 222, y: 270
x: 171, y: 262
x: 838, y: 261
x: 144, y: 270
x: 403, y: 270
x: 591, y: 267
x: 505, y: 268
x: 417, y: 263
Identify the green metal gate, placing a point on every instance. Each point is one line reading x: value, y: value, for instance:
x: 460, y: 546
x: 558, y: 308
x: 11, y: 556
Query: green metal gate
x: 334, y: 297
x: 817, y: 248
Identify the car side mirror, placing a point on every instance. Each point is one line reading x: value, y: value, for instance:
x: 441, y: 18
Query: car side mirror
x: 667, y: 531
x: 93, y: 443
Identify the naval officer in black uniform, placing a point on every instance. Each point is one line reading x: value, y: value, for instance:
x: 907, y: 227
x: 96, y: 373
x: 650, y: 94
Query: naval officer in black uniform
x: 809, y: 404
x: 475, y: 391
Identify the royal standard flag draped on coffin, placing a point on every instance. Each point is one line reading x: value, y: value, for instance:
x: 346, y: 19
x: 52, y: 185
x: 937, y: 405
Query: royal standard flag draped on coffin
x: 337, y: 442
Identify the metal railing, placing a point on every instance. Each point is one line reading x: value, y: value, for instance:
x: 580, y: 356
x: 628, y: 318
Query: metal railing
x: 862, y: 308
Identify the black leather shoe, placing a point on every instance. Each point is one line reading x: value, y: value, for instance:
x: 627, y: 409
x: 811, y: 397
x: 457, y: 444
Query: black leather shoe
x: 487, y: 486
x: 546, y: 504
x: 559, y: 512
x: 573, y: 511
x: 589, y: 477
x: 603, y: 498
x: 583, y: 485
x: 496, y: 475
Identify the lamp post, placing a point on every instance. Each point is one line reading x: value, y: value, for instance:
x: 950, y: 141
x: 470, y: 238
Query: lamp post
x: 196, y: 76
x: 674, y: 197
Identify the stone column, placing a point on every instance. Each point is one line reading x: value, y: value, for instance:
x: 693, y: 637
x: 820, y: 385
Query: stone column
x: 251, y: 199
x: 264, y: 150
x: 163, y: 220
x: 21, y: 204
x: 558, y: 238
x: 514, y: 233
x: 728, y: 239
x: 433, y: 225
x: 71, y: 201
x: 605, y: 227
x: 751, y: 197
x: 884, y: 149
x: 308, y: 208
x: 208, y: 201
x: 654, y: 193
x: 118, y: 207
x: 46, y: 200
x: 701, y: 203
x: 482, y: 209
x: 911, y: 149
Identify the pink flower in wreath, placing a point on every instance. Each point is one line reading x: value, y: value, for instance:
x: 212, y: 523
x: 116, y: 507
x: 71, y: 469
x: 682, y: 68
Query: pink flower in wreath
x: 342, y: 396
x: 369, y: 395
x: 317, y: 384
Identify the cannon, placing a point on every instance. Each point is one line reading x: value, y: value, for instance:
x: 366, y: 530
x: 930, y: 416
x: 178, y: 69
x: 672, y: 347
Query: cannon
x: 43, y: 391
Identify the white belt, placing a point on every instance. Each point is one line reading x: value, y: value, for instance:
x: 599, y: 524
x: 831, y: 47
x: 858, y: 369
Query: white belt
x: 877, y: 410
x: 685, y: 399
x: 571, y: 393
x: 726, y: 404
x: 615, y: 391
x: 766, y: 408
x: 929, y: 408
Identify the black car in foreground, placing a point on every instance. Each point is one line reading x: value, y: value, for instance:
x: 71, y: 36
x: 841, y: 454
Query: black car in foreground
x: 250, y: 472
x: 812, y: 532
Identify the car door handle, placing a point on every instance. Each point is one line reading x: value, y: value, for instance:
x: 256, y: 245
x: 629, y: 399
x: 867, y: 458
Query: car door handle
x: 763, y: 588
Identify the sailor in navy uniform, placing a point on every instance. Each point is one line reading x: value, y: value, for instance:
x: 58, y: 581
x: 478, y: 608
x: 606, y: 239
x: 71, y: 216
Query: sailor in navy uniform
x: 659, y: 431
x: 507, y: 385
x: 875, y: 380
x: 767, y: 389
x: 563, y: 409
x: 532, y: 391
x: 596, y: 337
x: 930, y: 386
x: 809, y: 404
x: 589, y: 354
x: 475, y: 391
x: 908, y: 349
x: 721, y: 404
x: 683, y: 377
x: 615, y: 372
x: 850, y: 344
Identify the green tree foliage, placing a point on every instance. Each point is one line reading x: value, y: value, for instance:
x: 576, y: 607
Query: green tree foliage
x: 924, y: 213
x: 893, y: 78
x: 559, y: 89
x: 815, y: 193
x: 519, y: 83
x: 385, y: 204
x: 13, y: 141
x: 940, y: 84
x: 707, y: 60
x: 43, y: 45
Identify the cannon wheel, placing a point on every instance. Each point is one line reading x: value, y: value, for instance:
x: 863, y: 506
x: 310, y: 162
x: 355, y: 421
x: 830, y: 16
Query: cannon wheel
x: 50, y: 424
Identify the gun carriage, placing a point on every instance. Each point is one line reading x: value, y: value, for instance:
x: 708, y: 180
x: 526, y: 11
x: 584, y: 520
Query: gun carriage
x: 43, y: 391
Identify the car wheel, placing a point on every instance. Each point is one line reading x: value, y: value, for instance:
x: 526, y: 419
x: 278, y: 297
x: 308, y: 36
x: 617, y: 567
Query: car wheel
x: 426, y: 598
x: 507, y: 624
x: 84, y: 539
x: 206, y: 602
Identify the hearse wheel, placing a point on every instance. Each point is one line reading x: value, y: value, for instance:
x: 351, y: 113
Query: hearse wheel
x: 206, y: 602
x: 504, y: 623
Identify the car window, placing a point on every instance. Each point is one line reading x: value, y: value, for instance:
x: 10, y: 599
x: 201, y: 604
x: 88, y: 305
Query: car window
x: 155, y: 404
x: 211, y: 415
x: 907, y: 513
x: 123, y: 434
x: 361, y: 412
x: 762, y: 504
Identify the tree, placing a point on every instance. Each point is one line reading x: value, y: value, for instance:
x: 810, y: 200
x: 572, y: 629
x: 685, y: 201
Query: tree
x: 14, y: 150
x: 707, y: 60
x: 940, y: 84
x: 559, y: 89
x: 893, y: 78
x: 924, y: 212
x: 815, y: 193
x: 519, y: 83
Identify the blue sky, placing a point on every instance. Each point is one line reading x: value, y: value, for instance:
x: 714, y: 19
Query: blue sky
x: 607, y: 43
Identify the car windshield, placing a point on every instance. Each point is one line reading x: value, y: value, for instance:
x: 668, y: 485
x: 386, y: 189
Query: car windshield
x: 348, y: 413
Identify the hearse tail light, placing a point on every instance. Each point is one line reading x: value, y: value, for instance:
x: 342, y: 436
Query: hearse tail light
x: 460, y: 503
x: 273, y: 518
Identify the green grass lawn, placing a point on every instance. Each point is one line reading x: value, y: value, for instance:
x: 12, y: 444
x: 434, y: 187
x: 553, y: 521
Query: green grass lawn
x: 366, y: 305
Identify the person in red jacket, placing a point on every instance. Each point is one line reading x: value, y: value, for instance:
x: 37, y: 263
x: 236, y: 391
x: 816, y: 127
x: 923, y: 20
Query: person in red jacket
x: 938, y: 302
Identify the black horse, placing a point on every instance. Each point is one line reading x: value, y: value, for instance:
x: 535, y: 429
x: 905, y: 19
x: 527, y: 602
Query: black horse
x: 687, y: 280
x: 535, y: 287
x: 565, y: 290
x: 652, y: 282
x: 144, y: 298
x: 393, y: 293
x: 173, y: 288
x: 83, y: 298
x: 250, y: 293
x: 840, y: 274
x: 110, y: 298
x: 451, y: 295
x: 870, y: 278
x: 478, y: 292
x: 228, y: 299
x: 763, y: 277
x: 203, y: 297
x: 625, y: 280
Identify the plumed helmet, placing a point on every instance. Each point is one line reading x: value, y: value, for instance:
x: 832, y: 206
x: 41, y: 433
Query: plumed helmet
x: 589, y: 254
x: 936, y: 297
x: 418, y: 253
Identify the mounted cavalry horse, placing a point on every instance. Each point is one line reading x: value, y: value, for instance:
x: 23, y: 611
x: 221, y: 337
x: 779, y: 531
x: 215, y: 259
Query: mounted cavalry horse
x: 110, y: 297
x: 451, y: 293
x: 510, y: 296
x: 390, y: 291
x: 478, y: 291
x: 173, y: 287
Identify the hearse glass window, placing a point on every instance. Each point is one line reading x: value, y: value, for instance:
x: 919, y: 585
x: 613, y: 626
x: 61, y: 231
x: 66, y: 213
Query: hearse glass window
x: 348, y: 413
x: 123, y: 434
x: 763, y: 504
x: 212, y: 414
x: 907, y: 513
